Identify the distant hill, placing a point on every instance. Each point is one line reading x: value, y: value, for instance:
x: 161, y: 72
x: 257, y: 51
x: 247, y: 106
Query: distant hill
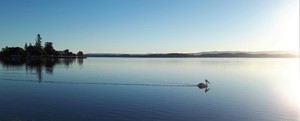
x: 215, y: 54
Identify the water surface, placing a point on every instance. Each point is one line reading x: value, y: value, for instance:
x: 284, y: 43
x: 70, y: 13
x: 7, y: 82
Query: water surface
x: 151, y: 89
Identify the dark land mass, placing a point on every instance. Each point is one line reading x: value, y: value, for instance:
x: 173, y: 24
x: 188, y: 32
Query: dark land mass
x: 200, y: 55
x: 36, y: 51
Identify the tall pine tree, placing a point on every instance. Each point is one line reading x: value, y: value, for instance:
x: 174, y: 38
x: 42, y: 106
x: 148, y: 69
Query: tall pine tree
x: 38, y: 42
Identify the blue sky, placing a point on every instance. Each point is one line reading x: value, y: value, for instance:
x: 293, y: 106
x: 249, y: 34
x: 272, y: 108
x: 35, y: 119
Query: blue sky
x: 152, y: 26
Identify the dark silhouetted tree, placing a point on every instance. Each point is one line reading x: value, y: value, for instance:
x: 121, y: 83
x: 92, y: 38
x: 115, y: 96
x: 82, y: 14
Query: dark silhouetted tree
x: 66, y: 51
x: 49, y: 50
x: 38, y: 42
x: 34, y: 51
x: 25, y: 46
x: 80, y: 53
x: 13, y: 51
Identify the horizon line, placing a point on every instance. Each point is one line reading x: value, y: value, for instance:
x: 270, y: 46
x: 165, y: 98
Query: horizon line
x: 288, y: 51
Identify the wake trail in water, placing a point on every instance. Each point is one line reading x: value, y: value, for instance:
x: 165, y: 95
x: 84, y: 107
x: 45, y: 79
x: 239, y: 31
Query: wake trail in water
x: 103, y: 83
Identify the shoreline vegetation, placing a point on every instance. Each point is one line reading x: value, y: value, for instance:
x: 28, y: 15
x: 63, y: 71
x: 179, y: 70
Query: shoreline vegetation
x: 37, y: 51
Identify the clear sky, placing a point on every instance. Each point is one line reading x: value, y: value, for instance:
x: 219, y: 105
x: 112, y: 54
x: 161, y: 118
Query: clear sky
x: 152, y: 26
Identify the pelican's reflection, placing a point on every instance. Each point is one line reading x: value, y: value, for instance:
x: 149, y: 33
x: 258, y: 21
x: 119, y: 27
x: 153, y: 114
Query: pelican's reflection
x: 205, y: 89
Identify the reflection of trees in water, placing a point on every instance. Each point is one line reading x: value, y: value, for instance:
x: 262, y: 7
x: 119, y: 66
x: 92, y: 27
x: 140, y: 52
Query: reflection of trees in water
x: 80, y: 61
x: 66, y: 61
x: 49, y: 65
x: 37, y: 65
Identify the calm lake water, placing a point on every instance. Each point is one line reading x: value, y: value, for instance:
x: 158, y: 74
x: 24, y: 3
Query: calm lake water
x: 151, y: 89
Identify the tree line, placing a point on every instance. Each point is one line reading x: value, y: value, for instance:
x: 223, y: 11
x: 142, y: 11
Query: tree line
x: 37, y: 50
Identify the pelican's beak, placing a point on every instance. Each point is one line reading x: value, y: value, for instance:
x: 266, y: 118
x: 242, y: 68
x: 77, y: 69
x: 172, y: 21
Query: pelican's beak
x: 208, y: 82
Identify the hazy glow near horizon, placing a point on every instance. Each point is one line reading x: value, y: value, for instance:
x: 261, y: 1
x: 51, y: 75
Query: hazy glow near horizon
x: 151, y: 26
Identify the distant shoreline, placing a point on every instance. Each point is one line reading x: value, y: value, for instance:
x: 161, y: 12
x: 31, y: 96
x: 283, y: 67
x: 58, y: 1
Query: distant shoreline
x: 198, y: 55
